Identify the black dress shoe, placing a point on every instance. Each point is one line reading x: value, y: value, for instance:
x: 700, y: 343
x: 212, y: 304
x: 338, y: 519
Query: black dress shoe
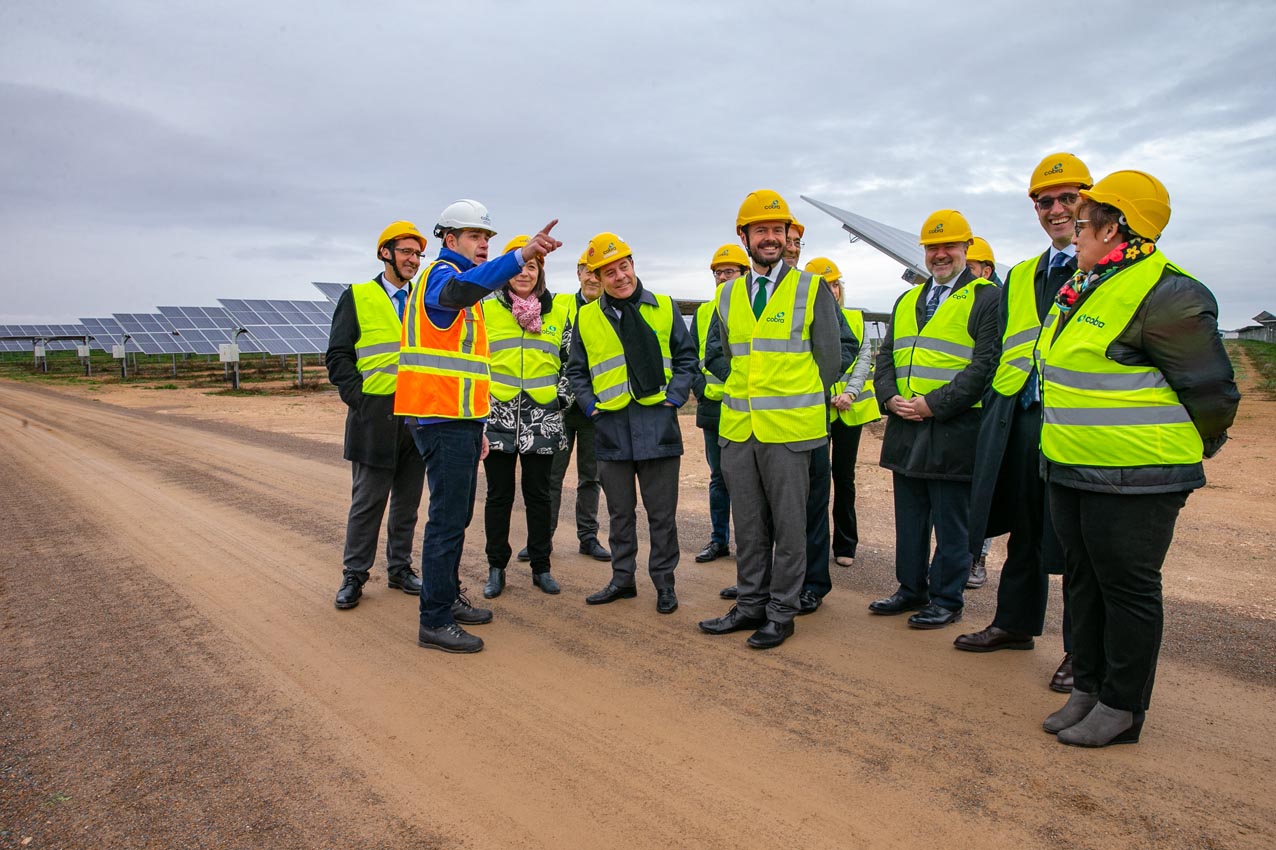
x: 546, y: 582
x: 449, y: 638
x: 465, y: 613
x: 1061, y: 681
x: 771, y: 635
x: 524, y: 555
x: 594, y: 549
x: 732, y: 592
x: 732, y: 621
x: 992, y: 639
x: 896, y: 603
x: 666, y: 600
x: 407, y: 581
x: 611, y: 593
x: 349, y: 593
x: 808, y: 602
x: 712, y: 552
x: 934, y: 617
x: 495, y: 582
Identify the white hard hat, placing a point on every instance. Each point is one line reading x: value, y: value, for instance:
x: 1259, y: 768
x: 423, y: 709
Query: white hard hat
x: 464, y: 215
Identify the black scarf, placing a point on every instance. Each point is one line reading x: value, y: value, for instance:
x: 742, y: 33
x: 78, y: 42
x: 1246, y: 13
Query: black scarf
x: 642, y: 349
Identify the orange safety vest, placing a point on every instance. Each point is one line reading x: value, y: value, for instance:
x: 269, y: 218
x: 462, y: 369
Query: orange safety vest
x: 443, y: 372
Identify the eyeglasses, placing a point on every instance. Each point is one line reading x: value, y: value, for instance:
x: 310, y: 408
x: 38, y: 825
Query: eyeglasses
x: 1047, y: 202
x: 409, y: 252
x: 1076, y: 226
x: 725, y: 274
x: 794, y: 243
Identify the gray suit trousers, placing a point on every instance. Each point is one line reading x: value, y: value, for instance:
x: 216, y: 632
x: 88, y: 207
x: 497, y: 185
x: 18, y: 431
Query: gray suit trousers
x: 372, y: 487
x: 769, y: 484
x: 658, y: 480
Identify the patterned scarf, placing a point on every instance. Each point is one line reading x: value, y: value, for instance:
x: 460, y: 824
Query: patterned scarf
x: 527, y: 312
x: 1121, y: 257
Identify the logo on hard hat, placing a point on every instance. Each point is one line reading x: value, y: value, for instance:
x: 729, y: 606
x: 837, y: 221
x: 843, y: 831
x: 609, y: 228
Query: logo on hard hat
x: 486, y: 218
x: 1058, y: 169
x: 774, y: 205
x: 611, y: 249
x: 938, y: 228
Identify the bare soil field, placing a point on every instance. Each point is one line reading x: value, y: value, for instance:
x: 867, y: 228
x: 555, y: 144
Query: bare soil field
x: 176, y: 676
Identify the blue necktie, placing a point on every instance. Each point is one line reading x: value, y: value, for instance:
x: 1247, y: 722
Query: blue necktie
x: 400, y: 303
x: 932, y: 303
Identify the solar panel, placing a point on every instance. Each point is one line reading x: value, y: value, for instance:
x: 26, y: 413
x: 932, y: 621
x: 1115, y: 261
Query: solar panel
x: 203, y: 329
x: 331, y: 291
x: 107, y: 332
x: 284, y: 327
x: 151, y: 333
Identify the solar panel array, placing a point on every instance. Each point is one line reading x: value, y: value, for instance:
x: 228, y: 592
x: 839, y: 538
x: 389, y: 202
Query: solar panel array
x: 27, y: 334
x: 150, y: 332
x: 106, y: 332
x: 331, y: 291
x: 202, y: 329
x: 284, y: 327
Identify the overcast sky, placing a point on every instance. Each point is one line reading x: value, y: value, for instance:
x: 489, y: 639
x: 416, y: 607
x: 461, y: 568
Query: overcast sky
x: 159, y: 154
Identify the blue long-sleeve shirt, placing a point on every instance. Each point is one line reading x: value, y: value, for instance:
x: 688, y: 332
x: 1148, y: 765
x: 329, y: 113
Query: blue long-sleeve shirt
x: 449, y: 291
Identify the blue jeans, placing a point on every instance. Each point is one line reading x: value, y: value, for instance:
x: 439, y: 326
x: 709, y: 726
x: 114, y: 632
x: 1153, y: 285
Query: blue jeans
x: 719, y: 498
x: 451, y: 454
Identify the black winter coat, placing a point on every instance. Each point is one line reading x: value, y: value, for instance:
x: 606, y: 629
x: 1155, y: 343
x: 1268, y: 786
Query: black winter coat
x: 371, y: 435
x: 942, y: 446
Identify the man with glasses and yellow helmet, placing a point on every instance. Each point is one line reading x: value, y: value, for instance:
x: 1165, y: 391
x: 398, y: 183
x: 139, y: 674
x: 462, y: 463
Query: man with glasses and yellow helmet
x: 775, y: 341
x: 727, y: 263
x: 631, y: 367
x: 1007, y: 493
x: 362, y: 361
x: 939, y: 351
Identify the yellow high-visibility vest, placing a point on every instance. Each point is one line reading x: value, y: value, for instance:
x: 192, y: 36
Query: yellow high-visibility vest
x: 773, y: 393
x: 377, y: 349
x: 525, y: 361
x: 704, y: 315
x: 567, y: 300
x: 929, y: 358
x: 864, y: 409
x: 1096, y: 411
x: 608, y: 371
x: 1022, y: 329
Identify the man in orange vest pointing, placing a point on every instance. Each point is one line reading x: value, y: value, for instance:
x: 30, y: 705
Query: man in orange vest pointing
x: 443, y: 383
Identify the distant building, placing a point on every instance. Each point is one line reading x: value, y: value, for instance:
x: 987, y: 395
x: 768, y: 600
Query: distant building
x: 1264, y: 331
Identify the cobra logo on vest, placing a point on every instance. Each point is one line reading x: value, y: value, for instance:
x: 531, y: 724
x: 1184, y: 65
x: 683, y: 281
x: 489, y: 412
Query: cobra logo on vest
x: 778, y: 317
x: 1086, y: 318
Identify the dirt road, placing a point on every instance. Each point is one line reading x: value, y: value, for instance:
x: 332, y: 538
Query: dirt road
x: 176, y: 676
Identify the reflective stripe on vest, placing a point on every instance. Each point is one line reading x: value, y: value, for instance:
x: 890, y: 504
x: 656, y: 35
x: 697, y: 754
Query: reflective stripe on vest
x: 522, y: 360
x: 704, y: 315
x: 1022, y: 329
x: 1096, y: 411
x: 864, y: 409
x: 608, y: 370
x: 774, y: 392
x: 377, y: 348
x: 933, y: 356
x: 443, y: 372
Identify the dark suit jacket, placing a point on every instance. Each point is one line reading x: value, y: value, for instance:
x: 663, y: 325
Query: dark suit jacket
x: 942, y: 446
x: 371, y: 426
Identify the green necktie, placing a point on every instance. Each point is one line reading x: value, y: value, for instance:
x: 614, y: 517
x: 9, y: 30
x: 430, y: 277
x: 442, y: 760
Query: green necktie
x: 759, y: 298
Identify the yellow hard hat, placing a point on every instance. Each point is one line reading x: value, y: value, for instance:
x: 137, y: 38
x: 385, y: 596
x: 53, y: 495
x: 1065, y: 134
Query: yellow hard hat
x: 945, y: 226
x: 1059, y: 169
x: 606, y: 248
x: 980, y: 250
x: 517, y: 242
x: 763, y: 205
x: 400, y: 230
x: 1140, y: 197
x: 730, y: 254
x: 825, y: 268
x: 584, y: 258
x: 797, y: 225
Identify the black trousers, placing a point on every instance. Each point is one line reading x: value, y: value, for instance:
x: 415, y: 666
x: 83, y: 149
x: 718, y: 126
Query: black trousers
x: 923, y: 504
x: 846, y: 448
x: 372, y: 487
x: 817, y: 579
x: 658, y: 481
x: 1113, y: 548
x: 1032, y: 551
x: 499, y: 467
